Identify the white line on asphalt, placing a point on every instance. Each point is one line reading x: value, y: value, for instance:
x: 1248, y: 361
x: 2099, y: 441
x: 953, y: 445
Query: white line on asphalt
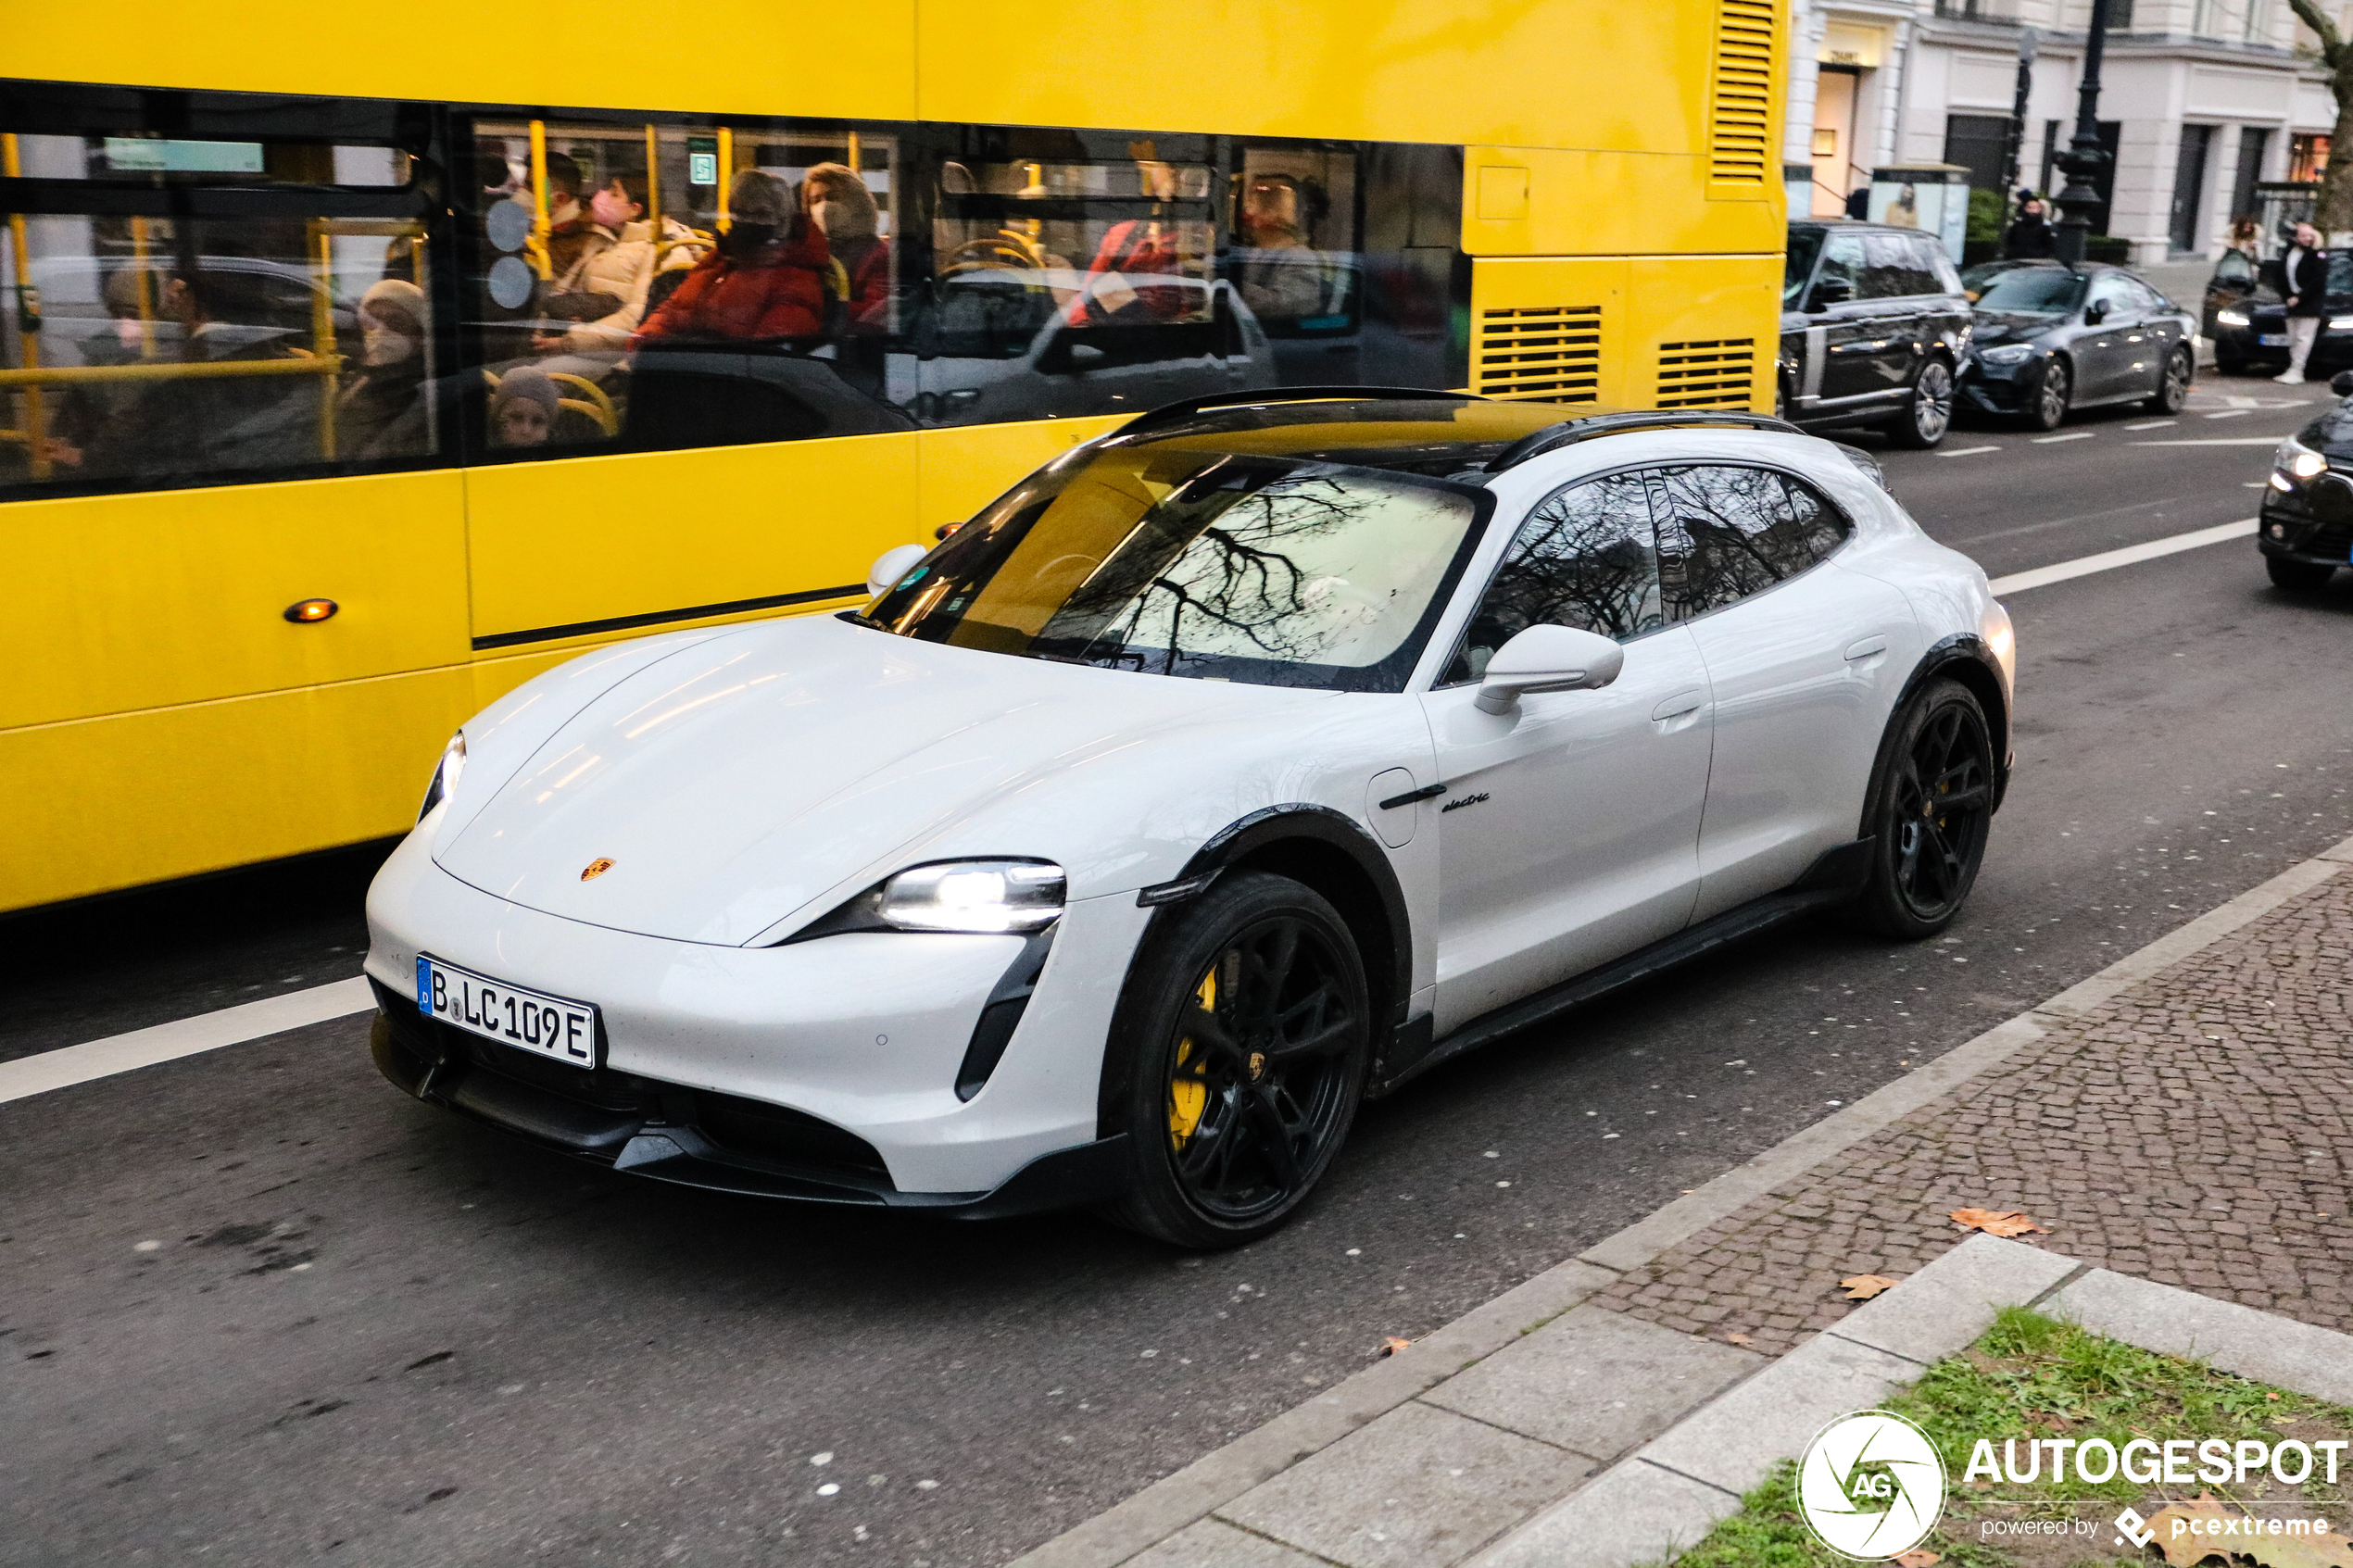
x: 2017, y: 583
x: 168, y: 1042
x: 2070, y: 435
x: 2150, y: 424
x: 2218, y: 441
x: 2231, y: 414
x: 1968, y: 451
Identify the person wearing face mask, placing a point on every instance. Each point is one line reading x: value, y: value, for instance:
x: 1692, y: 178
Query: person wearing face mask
x: 621, y: 262
x: 571, y: 231
x: 838, y: 203
x: 382, y: 413
x: 766, y: 280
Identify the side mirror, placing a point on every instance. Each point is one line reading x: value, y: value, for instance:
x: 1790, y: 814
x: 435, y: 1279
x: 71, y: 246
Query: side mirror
x: 2095, y: 313
x: 1832, y: 290
x: 1548, y: 658
x: 2341, y: 383
x: 1084, y: 356
x: 891, y: 566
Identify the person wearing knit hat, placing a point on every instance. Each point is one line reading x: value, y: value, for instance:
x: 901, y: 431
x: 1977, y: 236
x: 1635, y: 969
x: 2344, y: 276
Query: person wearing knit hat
x: 382, y: 413
x: 766, y: 280
x: 522, y: 411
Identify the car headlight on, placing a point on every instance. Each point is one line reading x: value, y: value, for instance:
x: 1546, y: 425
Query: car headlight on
x: 2007, y: 354
x: 2294, y: 463
x: 2341, y: 323
x: 2233, y: 319
x: 975, y: 896
x: 444, y: 774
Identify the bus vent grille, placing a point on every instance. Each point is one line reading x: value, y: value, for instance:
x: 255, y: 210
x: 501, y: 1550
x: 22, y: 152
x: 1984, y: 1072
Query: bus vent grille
x: 1715, y: 375
x: 1552, y: 353
x: 1739, y: 106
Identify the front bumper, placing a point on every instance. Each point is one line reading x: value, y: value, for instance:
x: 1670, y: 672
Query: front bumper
x: 2000, y: 389
x: 2331, y: 351
x: 2297, y: 530
x: 864, y: 1035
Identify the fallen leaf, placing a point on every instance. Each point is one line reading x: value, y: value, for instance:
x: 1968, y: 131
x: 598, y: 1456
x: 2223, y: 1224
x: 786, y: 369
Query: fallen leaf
x: 2183, y: 1549
x: 1738, y: 1339
x: 2273, y: 1397
x: 1391, y: 1345
x: 1919, y: 1557
x: 1993, y: 1223
x: 1862, y: 1287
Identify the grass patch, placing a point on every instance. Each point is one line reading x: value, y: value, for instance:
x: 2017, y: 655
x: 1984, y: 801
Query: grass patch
x: 2034, y: 1376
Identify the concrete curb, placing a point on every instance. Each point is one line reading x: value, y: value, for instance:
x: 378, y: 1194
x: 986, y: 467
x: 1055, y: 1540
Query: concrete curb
x: 1168, y: 1506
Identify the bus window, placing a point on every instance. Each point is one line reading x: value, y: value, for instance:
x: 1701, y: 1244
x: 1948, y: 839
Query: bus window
x: 193, y: 309
x: 649, y: 287
x: 1294, y: 245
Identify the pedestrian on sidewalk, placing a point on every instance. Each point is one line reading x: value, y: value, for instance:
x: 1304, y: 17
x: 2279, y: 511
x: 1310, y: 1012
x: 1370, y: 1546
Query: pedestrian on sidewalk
x: 2304, y: 285
x: 2032, y: 237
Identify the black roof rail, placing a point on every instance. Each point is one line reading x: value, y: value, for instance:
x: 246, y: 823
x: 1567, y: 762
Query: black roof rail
x: 1169, y: 412
x: 1570, y: 432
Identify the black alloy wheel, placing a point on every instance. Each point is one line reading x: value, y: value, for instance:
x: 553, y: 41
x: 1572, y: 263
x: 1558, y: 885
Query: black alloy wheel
x: 1239, y: 1058
x: 2298, y: 576
x: 2046, y: 407
x: 1923, y: 424
x: 2172, y: 383
x: 1930, y: 809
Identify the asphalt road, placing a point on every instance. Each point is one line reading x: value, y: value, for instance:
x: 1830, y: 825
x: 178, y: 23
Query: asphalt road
x: 257, y: 1307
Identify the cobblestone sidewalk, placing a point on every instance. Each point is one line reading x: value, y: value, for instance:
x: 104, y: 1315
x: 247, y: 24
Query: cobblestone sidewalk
x: 2196, y: 1131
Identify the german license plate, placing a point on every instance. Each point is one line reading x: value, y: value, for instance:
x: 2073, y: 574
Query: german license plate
x: 2272, y: 339
x: 529, y: 1021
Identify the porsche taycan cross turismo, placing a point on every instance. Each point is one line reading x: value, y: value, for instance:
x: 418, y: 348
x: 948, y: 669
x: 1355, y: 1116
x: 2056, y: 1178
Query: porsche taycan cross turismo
x: 1233, y: 767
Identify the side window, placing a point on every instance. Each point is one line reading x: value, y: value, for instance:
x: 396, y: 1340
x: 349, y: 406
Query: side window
x: 1936, y: 268
x: 1891, y: 268
x: 2114, y: 291
x: 2235, y: 266
x: 1842, y: 259
x: 1725, y: 532
x: 239, y: 294
x: 1586, y: 556
x: 647, y: 287
x: 2146, y: 298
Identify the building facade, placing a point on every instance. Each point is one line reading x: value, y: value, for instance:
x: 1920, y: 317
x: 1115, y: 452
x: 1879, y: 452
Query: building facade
x: 2202, y: 101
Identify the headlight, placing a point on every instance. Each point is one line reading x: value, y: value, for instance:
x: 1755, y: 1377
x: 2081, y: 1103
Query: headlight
x: 2007, y: 354
x: 2002, y: 639
x: 2233, y: 319
x: 978, y: 895
x: 444, y: 774
x: 2296, y: 462
x: 2341, y: 323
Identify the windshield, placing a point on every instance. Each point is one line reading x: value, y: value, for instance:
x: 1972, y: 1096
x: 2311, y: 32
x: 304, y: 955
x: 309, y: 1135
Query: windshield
x: 1177, y: 561
x: 1804, y: 244
x: 2033, y: 291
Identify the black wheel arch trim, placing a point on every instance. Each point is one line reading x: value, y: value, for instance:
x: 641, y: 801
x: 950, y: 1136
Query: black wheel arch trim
x: 1961, y: 650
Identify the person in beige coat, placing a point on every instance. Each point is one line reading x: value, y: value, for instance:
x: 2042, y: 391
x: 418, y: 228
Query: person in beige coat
x: 621, y: 259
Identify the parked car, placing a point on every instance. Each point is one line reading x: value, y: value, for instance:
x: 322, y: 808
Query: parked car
x: 2051, y: 338
x: 2306, y: 527
x: 1874, y: 330
x: 2247, y: 318
x: 1252, y: 758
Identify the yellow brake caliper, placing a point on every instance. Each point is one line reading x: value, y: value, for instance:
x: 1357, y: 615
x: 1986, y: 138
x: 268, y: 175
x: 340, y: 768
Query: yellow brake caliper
x: 1187, y: 1096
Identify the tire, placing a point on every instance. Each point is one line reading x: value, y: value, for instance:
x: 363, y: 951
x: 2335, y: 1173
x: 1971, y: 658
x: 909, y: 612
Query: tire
x: 2047, y: 407
x: 2298, y: 576
x: 2172, y: 383
x: 1929, y: 809
x: 1234, y: 1109
x: 1930, y: 413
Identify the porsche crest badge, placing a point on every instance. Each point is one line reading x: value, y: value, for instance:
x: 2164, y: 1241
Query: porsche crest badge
x: 596, y: 869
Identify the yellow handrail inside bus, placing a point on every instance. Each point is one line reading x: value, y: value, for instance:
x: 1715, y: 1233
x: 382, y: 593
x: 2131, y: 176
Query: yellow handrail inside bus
x: 171, y: 369
x: 653, y: 187
x: 536, y: 246
x: 323, y: 335
x: 727, y: 173
x: 146, y: 286
x: 603, y: 412
x: 37, y: 426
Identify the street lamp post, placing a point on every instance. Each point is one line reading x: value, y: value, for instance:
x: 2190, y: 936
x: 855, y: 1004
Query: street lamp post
x: 2084, y: 156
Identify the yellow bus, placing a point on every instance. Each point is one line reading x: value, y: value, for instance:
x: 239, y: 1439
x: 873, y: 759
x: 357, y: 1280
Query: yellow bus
x: 358, y: 365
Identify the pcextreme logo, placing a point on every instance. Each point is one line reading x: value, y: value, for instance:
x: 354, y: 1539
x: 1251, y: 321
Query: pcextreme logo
x: 1871, y: 1484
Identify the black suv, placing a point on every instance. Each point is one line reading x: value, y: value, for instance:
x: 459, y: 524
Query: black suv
x: 2306, y: 527
x: 1874, y: 330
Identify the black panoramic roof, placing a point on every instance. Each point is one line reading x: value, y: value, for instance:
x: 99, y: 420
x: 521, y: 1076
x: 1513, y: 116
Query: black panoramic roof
x: 1439, y: 434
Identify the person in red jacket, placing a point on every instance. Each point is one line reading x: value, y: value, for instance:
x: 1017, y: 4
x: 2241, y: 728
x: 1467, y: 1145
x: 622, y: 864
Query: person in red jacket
x: 766, y: 280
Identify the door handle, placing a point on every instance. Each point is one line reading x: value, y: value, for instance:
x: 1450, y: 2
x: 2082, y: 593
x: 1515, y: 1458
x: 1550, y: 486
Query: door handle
x: 1677, y: 705
x: 1865, y: 649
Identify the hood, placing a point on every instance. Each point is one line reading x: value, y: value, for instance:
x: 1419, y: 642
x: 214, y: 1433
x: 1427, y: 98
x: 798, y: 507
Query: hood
x: 787, y: 764
x: 1990, y: 327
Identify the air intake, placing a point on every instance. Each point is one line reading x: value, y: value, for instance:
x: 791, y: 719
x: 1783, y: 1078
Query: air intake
x: 1740, y: 99
x: 1550, y: 352
x: 1717, y: 374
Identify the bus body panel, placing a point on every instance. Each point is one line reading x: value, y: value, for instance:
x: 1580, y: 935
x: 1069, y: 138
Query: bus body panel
x: 1548, y: 201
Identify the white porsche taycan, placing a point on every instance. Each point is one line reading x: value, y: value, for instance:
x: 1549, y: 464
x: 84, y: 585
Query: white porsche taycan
x: 1233, y: 767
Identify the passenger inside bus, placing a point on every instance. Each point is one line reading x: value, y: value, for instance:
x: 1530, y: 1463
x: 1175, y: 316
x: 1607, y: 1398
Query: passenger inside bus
x: 382, y: 413
x: 844, y: 211
x: 767, y: 278
x: 524, y: 409
x: 619, y: 259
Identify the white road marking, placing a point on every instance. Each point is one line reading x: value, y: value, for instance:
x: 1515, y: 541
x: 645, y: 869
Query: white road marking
x: 2150, y: 424
x: 2017, y: 583
x: 2231, y: 414
x: 2217, y: 441
x: 2070, y: 435
x: 187, y: 1037
x: 1968, y: 451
